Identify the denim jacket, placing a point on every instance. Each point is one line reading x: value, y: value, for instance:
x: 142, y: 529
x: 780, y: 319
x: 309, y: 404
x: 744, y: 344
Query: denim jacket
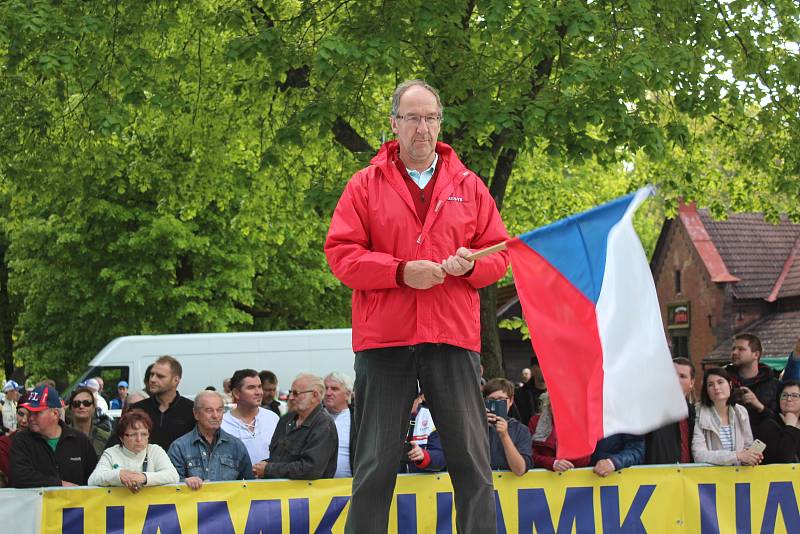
x: 228, y: 459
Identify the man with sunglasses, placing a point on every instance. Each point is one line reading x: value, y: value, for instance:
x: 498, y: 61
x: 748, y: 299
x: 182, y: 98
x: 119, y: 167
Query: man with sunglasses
x: 305, y: 444
x: 400, y: 238
x: 49, y: 453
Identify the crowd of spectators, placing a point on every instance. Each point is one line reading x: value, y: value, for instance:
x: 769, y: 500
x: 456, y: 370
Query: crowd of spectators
x: 747, y: 414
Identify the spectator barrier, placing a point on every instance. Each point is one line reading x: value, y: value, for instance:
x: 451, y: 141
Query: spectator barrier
x: 673, y: 499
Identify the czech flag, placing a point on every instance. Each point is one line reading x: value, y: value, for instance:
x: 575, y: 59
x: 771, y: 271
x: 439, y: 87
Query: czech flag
x: 589, y: 299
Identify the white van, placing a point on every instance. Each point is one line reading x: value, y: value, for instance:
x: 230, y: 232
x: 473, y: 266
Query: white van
x: 208, y: 359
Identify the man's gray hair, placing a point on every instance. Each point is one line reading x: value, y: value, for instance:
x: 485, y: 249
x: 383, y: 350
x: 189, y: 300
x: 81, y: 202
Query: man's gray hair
x: 314, y: 382
x: 344, y: 380
x: 405, y: 86
x: 207, y: 393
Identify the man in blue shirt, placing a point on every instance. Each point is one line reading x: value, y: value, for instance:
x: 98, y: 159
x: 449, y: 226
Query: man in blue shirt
x: 122, y: 394
x: 208, y: 453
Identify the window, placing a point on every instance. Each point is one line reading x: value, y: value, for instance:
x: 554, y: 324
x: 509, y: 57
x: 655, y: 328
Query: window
x: 677, y: 281
x: 680, y: 345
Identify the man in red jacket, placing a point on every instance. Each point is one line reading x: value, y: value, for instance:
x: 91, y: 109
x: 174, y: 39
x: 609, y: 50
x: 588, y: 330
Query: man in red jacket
x: 399, y: 237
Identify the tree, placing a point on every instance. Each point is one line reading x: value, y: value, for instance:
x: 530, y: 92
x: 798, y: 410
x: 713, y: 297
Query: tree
x: 172, y: 166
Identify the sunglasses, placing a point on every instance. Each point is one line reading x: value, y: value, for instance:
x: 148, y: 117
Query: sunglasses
x: 78, y: 403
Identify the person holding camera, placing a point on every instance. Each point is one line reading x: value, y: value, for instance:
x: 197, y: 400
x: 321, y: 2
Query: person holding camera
x: 756, y: 386
x: 509, y: 440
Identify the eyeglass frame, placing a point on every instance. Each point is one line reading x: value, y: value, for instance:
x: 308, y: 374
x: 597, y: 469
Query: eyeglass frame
x: 295, y: 393
x: 409, y: 119
x: 78, y: 403
x: 786, y: 396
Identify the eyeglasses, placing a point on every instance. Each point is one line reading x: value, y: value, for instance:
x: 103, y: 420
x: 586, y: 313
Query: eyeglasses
x: 295, y: 393
x: 79, y: 403
x: 787, y: 396
x: 133, y: 435
x: 430, y: 120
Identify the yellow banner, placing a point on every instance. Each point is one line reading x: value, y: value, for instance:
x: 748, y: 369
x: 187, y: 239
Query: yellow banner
x: 706, y: 500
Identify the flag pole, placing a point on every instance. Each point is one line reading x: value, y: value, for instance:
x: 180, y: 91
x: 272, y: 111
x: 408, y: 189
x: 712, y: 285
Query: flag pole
x: 486, y: 251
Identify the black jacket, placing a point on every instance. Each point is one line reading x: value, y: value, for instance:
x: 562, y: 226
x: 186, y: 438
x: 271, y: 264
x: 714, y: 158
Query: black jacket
x: 765, y: 386
x: 307, y: 452
x: 170, y: 425
x: 663, y: 445
x: 782, y: 440
x: 34, y: 464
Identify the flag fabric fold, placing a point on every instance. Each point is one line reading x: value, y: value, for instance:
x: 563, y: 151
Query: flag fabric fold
x: 588, y: 297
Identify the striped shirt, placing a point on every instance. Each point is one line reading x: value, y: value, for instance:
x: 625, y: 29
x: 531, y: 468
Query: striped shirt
x: 726, y: 437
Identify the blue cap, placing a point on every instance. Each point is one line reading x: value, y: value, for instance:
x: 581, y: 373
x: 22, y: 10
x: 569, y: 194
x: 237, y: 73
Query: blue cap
x: 122, y: 384
x: 42, y: 398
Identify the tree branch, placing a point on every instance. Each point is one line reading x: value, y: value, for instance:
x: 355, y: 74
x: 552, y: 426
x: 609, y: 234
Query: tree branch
x: 502, y: 173
x: 347, y: 137
x: 254, y: 312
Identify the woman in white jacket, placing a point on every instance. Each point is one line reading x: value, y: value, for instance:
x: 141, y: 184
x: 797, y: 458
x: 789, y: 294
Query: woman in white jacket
x: 135, y: 463
x: 722, y: 432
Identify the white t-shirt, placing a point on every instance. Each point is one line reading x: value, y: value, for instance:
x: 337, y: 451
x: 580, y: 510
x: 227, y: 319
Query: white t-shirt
x: 255, y: 438
x: 423, y: 426
x: 101, y: 403
x: 342, y: 421
x: 10, y: 414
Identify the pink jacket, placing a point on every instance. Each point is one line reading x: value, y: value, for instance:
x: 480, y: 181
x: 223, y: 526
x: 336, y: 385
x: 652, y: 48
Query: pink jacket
x: 375, y: 227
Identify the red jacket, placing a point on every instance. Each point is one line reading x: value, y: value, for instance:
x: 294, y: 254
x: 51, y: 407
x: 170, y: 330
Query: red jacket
x: 544, y: 452
x: 375, y: 227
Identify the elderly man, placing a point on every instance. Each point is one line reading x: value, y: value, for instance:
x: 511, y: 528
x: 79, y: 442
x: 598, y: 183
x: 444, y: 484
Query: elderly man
x: 401, y: 237
x: 172, y: 415
x: 50, y: 453
x: 305, y: 444
x: 208, y: 453
x: 11, y: 391
x: 248, y: 421
x: 338, y: 390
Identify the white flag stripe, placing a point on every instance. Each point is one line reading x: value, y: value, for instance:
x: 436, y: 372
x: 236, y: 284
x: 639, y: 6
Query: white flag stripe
x: 641, y: 391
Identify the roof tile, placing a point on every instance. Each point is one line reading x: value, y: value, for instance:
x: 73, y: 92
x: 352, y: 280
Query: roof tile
x: 753, y: 250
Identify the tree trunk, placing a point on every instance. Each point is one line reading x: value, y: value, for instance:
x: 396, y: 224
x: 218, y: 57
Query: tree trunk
x: 491, y: 354
x: 6, y: 324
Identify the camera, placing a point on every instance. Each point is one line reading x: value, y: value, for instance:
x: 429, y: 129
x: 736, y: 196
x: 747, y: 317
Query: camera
x: 499, y: 407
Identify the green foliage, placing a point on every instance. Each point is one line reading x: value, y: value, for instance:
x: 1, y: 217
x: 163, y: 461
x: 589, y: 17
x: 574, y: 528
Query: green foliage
x: 172, y: 166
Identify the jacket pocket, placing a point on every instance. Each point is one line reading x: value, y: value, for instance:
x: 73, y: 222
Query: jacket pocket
x: 228, y: 468
x: 194, y: 468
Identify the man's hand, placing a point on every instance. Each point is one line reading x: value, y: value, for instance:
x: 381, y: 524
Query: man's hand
x: 748, y: 397
x: 415, y: 454
x: 604, y: 467
x: 458, y: 265
x: 258, y: 468
x: 422, y: 274
x: 561, y: 465
x: 194, y: 483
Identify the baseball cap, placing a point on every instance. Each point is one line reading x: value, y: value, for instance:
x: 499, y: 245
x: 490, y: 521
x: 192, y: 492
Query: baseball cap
x: 92, y: 384
x: 42, y: 398
x: 9, y: 386
x: 122, y: 384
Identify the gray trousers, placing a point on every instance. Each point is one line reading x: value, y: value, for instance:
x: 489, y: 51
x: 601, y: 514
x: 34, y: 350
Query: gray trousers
x: 385, y: 387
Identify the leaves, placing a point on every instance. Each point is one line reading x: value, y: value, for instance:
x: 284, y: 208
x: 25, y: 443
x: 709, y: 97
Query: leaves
x: 172, y: 166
